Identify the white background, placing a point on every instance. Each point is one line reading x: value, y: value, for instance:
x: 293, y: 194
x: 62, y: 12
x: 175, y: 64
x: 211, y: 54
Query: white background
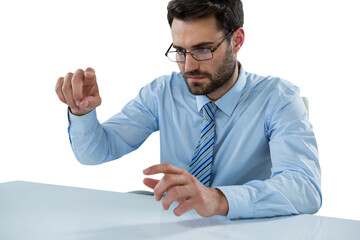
x: 312, y: 43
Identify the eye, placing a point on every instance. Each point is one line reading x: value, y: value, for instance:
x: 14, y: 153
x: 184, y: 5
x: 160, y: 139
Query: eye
x: 180, y: 50
x: 201, y: 50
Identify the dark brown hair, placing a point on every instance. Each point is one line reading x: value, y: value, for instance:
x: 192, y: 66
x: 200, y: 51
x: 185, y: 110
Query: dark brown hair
x: 228, y: 13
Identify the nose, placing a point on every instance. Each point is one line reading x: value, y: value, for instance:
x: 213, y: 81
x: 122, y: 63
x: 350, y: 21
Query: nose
x: 190, y: 63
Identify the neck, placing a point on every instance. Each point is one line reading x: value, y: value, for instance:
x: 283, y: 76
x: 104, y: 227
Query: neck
x: 216, y: 95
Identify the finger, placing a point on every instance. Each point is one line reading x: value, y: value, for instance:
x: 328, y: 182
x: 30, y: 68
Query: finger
x: 89, y: 76
x: 58, y: 89
x: 151, y: 183
x: 166, y: 168
x: 177, y: 193
x: 180, y: 200
x: 90, y: 102
x: 77, y: 86
x: 68, y: 92
x: 184, y: 207
x: 167, y: 183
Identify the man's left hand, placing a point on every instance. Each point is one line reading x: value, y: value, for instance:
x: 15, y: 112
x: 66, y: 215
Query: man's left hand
x: 184, y: 188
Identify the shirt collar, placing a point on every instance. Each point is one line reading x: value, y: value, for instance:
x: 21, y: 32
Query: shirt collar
x: 227, y: 102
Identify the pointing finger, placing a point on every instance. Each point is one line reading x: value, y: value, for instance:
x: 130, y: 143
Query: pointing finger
x: 166, y: 168
x: 89, y: 76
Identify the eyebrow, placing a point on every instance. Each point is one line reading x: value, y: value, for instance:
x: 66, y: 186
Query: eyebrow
x: 201, y: 44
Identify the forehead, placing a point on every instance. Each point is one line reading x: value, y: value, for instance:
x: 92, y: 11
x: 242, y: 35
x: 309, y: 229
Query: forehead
x: 190, y: 33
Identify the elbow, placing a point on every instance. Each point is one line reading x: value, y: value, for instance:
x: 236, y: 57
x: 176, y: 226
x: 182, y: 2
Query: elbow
x: 87, y: 161
x: 312, y: 200
x: 89, y: 157
x: 315, y: 203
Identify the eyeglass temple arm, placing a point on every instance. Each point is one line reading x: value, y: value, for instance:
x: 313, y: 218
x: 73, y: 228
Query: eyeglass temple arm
x: 169, y: 49
x: 227, y: 35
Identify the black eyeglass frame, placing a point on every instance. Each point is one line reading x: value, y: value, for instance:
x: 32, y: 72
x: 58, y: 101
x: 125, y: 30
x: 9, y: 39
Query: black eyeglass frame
x: 192, y: 55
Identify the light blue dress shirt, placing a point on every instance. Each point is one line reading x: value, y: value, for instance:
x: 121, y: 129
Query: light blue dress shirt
x: 266, y: 158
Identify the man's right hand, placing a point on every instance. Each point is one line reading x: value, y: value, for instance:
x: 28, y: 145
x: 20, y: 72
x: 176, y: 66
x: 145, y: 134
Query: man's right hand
x: 79, y: 90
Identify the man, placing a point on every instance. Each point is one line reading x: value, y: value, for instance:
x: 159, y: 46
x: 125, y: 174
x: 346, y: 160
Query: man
x: 232, y: 143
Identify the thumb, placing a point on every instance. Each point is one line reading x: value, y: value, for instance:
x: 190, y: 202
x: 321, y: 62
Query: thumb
x: 90, y: 102
x: 151, y: 183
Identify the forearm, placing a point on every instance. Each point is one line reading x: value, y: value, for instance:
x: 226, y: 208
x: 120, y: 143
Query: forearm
x: 284, y: 194
x: 93, y: 143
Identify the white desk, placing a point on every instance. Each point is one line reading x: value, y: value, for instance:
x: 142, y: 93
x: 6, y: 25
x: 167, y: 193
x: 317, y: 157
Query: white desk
x: 40, y: 211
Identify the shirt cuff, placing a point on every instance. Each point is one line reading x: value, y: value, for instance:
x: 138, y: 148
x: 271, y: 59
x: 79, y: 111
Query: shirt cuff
x: 239, y: 200
x: 82, y: 124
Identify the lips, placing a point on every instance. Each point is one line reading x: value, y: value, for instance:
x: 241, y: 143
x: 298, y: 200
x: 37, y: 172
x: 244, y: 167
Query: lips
x: 195, y: 78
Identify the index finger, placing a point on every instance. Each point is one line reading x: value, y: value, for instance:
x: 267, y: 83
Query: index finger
x: 89, y: 76
x: 166, y: 168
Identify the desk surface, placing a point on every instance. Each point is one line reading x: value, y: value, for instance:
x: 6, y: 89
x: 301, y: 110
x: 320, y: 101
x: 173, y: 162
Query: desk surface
x: 42, y: 211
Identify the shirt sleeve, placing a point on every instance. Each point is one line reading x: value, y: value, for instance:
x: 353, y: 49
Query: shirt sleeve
x: 95, y: 143
x: 294, y: 185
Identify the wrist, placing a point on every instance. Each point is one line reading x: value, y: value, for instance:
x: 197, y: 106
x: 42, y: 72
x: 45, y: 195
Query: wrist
x: 222, y: 203
x: 78, y: 112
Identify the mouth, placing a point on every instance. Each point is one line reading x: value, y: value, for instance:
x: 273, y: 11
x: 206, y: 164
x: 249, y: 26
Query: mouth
x: 195, y: 78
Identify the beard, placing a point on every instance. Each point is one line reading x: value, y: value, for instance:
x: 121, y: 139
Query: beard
x: 222, y: 75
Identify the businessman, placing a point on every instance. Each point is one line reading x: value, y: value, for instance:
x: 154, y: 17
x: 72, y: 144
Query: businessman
x: 232, y: 143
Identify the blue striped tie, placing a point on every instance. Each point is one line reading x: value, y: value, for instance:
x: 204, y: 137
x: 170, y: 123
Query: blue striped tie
x: 201, y: 162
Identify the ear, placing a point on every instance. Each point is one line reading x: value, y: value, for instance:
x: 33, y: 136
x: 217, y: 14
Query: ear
x: 238, y: 39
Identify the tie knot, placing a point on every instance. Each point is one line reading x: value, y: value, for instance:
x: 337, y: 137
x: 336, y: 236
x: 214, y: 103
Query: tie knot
x: 209, y: 111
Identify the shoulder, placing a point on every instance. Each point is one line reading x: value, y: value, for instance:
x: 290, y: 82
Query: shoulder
x: 270, y: 85
x: 168, y: 87
x: 165, y: 82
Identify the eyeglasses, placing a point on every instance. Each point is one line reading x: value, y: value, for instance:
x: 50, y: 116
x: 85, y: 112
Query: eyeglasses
x: 199, y: 54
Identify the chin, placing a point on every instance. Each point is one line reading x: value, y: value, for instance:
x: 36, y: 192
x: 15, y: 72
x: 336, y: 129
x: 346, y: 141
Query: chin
x: 196, y: 88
